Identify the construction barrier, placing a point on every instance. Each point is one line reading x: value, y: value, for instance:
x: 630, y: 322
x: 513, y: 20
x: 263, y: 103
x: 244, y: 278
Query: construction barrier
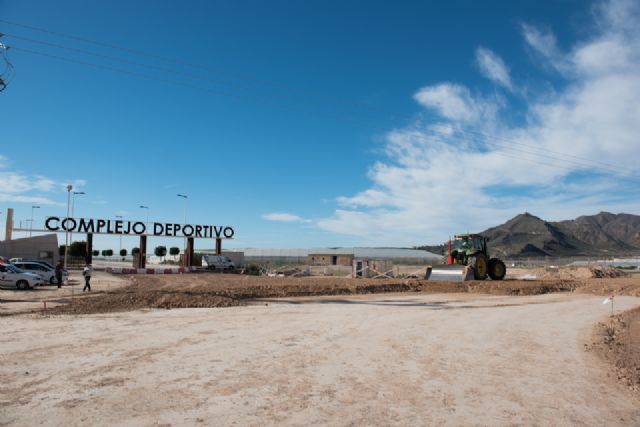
x: 160, y: 270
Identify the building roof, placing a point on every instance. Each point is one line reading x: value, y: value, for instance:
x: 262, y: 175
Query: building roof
x: 369, y: 253
x: 375, y: 252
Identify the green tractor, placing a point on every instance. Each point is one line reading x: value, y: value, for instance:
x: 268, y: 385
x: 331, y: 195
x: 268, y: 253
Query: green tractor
x: 471, y: 250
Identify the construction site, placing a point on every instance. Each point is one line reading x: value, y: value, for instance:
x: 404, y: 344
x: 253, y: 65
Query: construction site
x: 230, y: 349
x: 334, y: 336
x: 319, y: 213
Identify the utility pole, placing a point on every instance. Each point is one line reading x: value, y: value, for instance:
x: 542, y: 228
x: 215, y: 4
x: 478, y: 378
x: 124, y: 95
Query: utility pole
x: 185, y: 197
x: 31, y: 223
x: 66, y: 246
x: 120, y: 216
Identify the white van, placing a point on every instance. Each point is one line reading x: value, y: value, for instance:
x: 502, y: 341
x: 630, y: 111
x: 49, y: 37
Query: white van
x: 219, y: 262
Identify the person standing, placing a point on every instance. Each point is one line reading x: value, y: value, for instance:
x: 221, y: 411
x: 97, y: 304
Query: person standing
x: 59, y: 274
x: 86, y: 272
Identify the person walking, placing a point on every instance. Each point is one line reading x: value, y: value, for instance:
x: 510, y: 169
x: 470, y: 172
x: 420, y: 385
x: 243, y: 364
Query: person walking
x: 59, y: 274
x: 86, y: 272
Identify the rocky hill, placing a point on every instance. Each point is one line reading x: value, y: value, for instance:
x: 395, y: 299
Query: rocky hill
x: 526, y: 235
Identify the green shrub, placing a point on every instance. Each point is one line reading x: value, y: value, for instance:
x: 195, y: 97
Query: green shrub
x: 78, y: 249
x: 253, y: 270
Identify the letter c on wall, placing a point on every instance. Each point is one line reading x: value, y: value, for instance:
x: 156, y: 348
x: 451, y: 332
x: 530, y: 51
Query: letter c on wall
x: 49, y: 227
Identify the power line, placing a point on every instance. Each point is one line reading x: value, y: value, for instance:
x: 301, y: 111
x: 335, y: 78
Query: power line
x: 544, y: 150
x: 234, y: 75
x: 188, y: 85
x: 543, y: 153
x: 245, y: 98
x: 158, y: 68
x: 342, y: 118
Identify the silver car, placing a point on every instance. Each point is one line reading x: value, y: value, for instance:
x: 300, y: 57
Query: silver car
x: 46, y: 273
x: 12, y: 275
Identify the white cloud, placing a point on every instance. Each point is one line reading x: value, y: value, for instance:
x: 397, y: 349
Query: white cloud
x: 16, y: 198
x: 454, y: 102
x: 543, y: 42
x: 20, y: 188
x: 471, y: 170
x: 493, y: 68
x: 283, y: 217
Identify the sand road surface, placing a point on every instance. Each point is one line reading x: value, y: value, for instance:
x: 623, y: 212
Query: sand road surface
x: 454, y: 359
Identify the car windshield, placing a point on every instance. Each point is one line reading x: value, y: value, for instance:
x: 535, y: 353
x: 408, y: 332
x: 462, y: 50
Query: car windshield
x: 14, y: 269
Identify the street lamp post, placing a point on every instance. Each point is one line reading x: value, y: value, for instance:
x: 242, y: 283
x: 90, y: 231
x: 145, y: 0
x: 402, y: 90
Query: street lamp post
x: 66, y: 246
x: 31, y: 224
x: 73, y: 204
x: 147, y: 208
x: 120, y: 216
x: 146, y: 224
x: 185, y: 197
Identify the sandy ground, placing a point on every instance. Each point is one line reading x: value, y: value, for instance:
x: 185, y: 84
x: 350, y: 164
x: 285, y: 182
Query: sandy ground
x: 394, y: 359
x: 13, y: 300
x: 617, y: 341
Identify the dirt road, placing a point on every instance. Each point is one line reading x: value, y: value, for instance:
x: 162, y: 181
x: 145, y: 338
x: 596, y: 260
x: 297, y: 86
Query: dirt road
x: 411, y: 359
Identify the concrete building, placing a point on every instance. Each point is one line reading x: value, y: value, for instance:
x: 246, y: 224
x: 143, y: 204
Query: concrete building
x: 345, y: 256
x: 330, y: 256
x: 43, y: 248
x: 327, y: 256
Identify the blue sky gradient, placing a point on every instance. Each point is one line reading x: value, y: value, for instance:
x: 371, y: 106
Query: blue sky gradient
x: 284, y: 124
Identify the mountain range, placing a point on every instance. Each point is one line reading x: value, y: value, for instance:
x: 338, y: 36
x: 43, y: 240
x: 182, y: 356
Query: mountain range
x: 526, y: 235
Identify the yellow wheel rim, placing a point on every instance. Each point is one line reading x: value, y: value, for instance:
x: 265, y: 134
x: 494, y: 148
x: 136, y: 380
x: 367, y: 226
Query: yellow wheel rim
x: 481, y: 265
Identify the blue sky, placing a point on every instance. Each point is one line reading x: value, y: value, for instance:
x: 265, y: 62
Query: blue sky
x: 322, y: 123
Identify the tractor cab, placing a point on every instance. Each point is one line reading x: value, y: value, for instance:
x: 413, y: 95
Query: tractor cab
x: 463, y: 246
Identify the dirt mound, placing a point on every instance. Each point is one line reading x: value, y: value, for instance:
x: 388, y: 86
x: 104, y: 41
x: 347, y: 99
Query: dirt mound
x: 574, y: 272
x: 127, y: 300
x: 607, y: 272
x: 621, y: 286
x: 222, y: 291
x: 528, y: 287
x: 617, y: 341
x: 209, y: 290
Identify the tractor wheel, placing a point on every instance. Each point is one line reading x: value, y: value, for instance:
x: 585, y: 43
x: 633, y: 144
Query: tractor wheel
x: 478, y: 264
x: 497, y: 269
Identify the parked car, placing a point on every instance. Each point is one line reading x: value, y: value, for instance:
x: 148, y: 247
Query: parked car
x: 219, y: 262
x: 46, y: 273
x: 12, y: 275
x: 39, y: 261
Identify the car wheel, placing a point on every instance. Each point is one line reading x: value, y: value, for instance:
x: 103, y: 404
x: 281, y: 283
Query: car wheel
x: 51, y: 281
x: 22, y: 284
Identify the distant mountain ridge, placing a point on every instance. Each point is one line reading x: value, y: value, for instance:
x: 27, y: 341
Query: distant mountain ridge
x: 526, y: 235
